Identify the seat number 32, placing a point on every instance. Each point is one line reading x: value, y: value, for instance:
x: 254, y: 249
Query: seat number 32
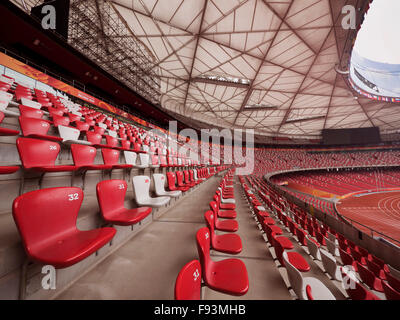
x: 73, y: 196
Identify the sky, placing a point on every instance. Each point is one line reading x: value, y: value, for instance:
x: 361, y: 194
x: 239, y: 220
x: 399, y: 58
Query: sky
x: 379, y: 37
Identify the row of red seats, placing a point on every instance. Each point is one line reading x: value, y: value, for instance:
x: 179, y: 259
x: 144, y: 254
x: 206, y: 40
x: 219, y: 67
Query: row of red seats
x: 229, y: 275
x: 372, y: 270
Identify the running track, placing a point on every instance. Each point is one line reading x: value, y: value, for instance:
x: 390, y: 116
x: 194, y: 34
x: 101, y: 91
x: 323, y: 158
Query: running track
x: 379, y: 211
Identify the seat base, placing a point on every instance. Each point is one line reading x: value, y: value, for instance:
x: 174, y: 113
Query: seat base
x: 227, y: 225
x: 227, y: 243
x: 127, y: 217
x: 227, y: 276
x: 298, y: 261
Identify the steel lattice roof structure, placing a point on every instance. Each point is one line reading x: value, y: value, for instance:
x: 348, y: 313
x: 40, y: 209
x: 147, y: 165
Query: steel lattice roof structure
x: 266, y: 65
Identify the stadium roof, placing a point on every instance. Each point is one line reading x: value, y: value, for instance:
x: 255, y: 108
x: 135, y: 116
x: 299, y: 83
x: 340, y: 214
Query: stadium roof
x: 260, y: 64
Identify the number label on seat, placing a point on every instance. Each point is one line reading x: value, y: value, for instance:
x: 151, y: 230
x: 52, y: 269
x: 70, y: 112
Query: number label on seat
x: 196, y: 275
x: 206, y: 235
x: 73, y: 197
x: 121, y: 187
x: 53, y: 148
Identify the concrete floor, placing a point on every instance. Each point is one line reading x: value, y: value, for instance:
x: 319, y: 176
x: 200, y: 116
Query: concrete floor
x: 146, y: 267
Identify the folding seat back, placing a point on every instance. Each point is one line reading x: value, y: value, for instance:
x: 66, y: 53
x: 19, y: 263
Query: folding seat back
x: 159, y: 183
x: 111, y: 141
x: 313, y: 248
x: 42, y: 214
x: 30, y: 112
x: 98, y: 129
x: 144, y: 159
x: 186, y: 175
x: 210, y: 220
x: 110, y: 156
x: 141, y: 188
x: 125, y: 144
x: 74, y: 117
x: 30, y: 103
x: 330, y: 266
x: 301, y: 236
x: 320, y: 238
x: 331, y: 246
x: 188, y: 282
x: 154, y: 160
x: 93, y: 137
x: 68, y: 133
x: 214, y: 207
x: 59, y: 120
x: 31, y: 126
x: 83, y: 155
x: 171, y: 180
x: 179, y: 178
x: 55, y: 112
x: 347, y: 259
x: 295, y: 278
x: 37, y: 153
x: 82, y: 126
x: 111, y: 196
x: 203, y: 239
x: 331, y: 237
x: 279, y: 251
x: 376, y: 269
x: 130, y: 157
x: 163, y: 160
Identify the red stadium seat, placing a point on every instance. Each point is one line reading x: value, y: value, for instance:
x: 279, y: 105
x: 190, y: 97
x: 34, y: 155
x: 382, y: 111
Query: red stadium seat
x: 228, y: 275
x: 369, y: 278
x: 393, y: 281
x: 171, y: 183
x: 111, y: 196
x: 36, y: 128
x: 46, y: 220
x: 284, y: 241
x: 227, y: 225
x: 84, y: 156
x: 227, y: 243
x: 111, y: 157
x: 225, y: 206
x: 60, y: 121
x: 355, y: 290
x: 180, y: 182
x: 40, y: 155
x: 29, y: 112
x: 295, y: 258
x: 188, y: 282
x: 95, y: 139
x: 227, y: 214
